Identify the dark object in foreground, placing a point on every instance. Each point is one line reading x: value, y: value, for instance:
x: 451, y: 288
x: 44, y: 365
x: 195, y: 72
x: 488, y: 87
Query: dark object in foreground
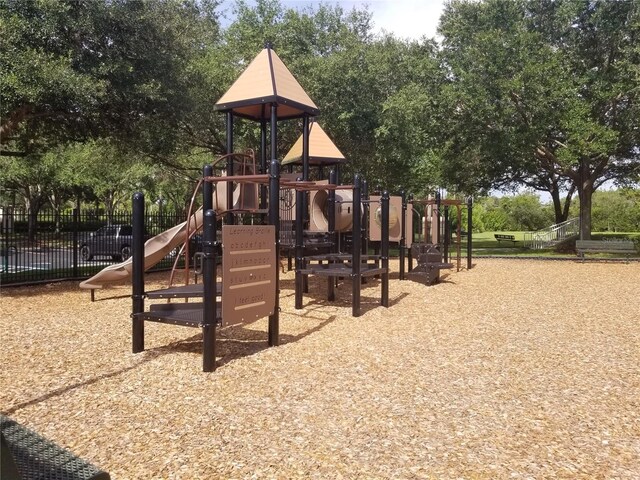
x: 27, y: 455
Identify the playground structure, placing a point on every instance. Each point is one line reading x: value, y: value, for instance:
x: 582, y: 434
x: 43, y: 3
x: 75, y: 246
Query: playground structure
x: 249, y: 278
x: 329, y: 226
x: 320, y: 152
x: 248, y: 286
x: 434, y: 255
x: 335, y: 264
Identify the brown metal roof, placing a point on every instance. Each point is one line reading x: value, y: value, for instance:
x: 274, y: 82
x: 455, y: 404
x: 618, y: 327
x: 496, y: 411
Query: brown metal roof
x: 322, y: 151
x: 266, y: 80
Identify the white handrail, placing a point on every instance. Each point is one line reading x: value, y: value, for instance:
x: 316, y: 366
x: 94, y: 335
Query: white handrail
x: 552, y: 235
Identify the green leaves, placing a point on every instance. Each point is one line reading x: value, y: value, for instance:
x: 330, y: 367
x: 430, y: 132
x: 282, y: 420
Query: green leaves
x: 541, y: 93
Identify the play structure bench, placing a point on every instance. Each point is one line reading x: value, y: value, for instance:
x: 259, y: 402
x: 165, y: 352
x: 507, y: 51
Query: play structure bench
x: 27, y: 455
x: 625, y: 247
x: 510, y: 238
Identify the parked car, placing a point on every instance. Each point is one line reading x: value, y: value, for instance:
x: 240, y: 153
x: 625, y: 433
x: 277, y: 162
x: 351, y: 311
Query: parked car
x: 111, y: 240
x: 195, y: 246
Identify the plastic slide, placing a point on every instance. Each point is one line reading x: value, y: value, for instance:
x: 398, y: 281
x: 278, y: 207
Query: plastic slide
x: 155, y: 249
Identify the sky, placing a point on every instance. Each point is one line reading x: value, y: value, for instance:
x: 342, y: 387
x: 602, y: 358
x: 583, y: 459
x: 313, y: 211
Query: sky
x: 404, y: 18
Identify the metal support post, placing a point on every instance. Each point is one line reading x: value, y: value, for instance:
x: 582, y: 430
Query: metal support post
x: 207, y: 189
x: 384, y: 204
x: 274, y: 219
x: 137, y: 273
x: 299, y: 281
x: 209, y: 247
x: 356, y: 276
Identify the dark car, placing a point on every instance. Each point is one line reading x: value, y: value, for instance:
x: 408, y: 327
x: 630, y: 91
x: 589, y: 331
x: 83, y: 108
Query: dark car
x: 112, y: 240
x: 195, y: 246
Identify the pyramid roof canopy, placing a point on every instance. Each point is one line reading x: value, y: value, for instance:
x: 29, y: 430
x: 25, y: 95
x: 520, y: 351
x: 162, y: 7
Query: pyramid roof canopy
x: 266, y: 80
x: 322, y: 151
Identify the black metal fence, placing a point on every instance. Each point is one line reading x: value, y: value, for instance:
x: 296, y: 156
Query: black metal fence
x: 50, y: 246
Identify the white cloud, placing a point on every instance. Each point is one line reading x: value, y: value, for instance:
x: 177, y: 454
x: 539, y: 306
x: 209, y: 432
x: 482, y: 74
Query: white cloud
x: 404, y: 18
x: 407, y: 18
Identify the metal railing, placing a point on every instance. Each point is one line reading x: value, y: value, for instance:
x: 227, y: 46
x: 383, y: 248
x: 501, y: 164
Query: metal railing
x: 51, y: 248
x: 552, y: 235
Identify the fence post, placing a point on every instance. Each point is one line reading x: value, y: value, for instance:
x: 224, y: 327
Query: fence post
x: 76, y: 214
x: 5, y: 254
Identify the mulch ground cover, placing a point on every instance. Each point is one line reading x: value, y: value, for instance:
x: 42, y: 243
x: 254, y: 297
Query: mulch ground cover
x: 514, y: 369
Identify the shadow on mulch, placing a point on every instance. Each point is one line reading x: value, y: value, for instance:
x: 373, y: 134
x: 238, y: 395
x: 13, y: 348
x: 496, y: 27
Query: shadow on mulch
x: 227, y: 350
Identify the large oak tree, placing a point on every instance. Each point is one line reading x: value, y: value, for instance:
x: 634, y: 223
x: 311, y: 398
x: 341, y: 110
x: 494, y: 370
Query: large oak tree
x: 543, y: 93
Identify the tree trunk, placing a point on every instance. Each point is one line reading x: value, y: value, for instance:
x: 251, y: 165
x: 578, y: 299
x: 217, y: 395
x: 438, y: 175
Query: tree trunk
x: 32, y: 217
x: 567, y: 202
x: 33, y: 201
x: 55, y: 200
x: 585, y: 194
x: 557, y: 205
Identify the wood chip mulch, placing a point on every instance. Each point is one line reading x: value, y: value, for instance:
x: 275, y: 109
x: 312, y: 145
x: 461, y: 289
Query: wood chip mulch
x: 514, y: 369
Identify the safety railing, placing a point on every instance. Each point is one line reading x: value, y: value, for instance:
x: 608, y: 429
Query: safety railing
x: 552, y: 235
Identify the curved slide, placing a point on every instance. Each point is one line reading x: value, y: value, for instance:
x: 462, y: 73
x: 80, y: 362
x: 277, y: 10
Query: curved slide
x: 155, y: 249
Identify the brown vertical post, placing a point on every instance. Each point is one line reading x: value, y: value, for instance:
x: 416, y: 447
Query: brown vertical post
x: 305, y: 173
x: 331, y: 212
x: 469, y: 231
x: 438, y: 217
x: 403, y: 237
x: 414, y: 211
x: 447, y: 233
x: 263, y: 162
x: 366, y: 213
x: 305, y: 147
x: 299, y: 280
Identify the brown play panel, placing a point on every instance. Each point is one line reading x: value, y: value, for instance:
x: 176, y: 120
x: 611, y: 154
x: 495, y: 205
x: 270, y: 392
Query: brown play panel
x: 248, y: 273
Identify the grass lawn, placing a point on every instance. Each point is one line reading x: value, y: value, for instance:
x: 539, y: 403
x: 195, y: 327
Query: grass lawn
x: 485, y: 244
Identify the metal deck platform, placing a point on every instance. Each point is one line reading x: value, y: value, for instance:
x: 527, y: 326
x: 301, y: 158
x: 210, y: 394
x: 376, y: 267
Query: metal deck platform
x: 193, y: 290
x: 184, y: 314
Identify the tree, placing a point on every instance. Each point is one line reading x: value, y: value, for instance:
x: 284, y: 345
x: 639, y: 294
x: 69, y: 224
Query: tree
x: 130, y: 72
x: 32, y: 178
x: 72, y: 71
x: 372, y: 91
x: 108, y: 170
x: 616, y: 210
x: 525, y: 212
x: 542, y: 94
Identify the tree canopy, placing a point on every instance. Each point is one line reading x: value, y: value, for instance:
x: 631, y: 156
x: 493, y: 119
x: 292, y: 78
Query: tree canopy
x: 518, y: 93
x: 542, y: 93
